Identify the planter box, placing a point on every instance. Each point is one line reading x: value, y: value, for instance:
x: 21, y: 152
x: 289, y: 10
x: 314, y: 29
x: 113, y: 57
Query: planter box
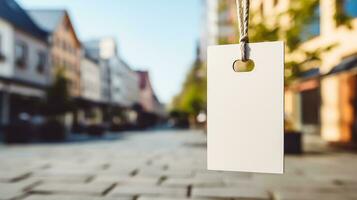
x: 293, y: 142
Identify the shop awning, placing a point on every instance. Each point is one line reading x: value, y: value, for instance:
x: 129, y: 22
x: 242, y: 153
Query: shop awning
x: 346, y: 65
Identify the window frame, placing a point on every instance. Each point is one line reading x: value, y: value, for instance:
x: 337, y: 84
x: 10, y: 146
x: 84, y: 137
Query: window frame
x: 347, y: 11
x: 21, y: 60
x: 41, y: 62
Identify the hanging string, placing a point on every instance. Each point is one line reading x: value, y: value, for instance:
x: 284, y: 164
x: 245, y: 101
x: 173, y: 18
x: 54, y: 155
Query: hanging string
x: 243, y: 20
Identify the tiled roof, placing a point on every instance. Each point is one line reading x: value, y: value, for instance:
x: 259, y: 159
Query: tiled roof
x: 14, y: 14
x: 50, y: 19
x: 47, y: 19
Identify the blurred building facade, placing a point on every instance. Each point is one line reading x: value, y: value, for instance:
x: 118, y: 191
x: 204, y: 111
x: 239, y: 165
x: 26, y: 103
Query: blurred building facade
x: 209, y: 32
x: 89, y: 109
x: 36, y: 44
x: 120, y: 82
x: 335, y: 84
x: 130, y: 90
x: 125, y: 86
x: 65, y: 46
x: 219, y: 24
x: 148, y: 99
x: 90, y: 79
x: 23, y: 61
x: 101, y: 50
x: 322, y: 100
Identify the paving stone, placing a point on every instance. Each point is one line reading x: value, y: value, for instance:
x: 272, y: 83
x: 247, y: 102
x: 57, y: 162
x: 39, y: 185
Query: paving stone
x: 166, y: 173
x: 72, y: 197
x: 291, y: 195
x: 222, y: 175
x: 77, y: 165
x: 12, y: 190
x: 185, y: 182
x: 126, y: 180
x: 294, y: 182
x: 9, y: 191
x: 117, y: 171
x: 67, y: 175
x: 230, y: 192
x: 174, y: 198
x: 62, y: 179
x: 65, y: 171
x: 12, y: 175
x: 63, y: 188
x: 175, y: 161
x: 134, y: 190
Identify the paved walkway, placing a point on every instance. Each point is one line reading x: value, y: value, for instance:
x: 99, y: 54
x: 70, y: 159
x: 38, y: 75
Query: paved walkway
x: 163, y: 166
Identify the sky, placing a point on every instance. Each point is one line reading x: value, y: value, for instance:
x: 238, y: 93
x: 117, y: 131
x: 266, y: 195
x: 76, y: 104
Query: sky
x: 156, y: 35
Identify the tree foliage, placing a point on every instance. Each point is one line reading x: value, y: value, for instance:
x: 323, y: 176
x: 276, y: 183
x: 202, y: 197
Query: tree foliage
x: 192, y: 98
x: 294, y: 31
x: 298, y: 18
x: 58, y: 97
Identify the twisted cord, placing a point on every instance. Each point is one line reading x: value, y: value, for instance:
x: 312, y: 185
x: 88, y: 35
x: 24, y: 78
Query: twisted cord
x: 243, y: 19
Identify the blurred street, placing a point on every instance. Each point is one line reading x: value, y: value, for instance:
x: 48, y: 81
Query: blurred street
x: 165, y: 165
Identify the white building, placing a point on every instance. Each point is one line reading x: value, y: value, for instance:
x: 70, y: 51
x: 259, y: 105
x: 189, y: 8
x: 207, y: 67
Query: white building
x: 119, y: 83
x: 23, y: 60
x: 209, y: 32
x: 130, y: 94
x: 90, y: 79
x: 105, y: 81
x: 124, y: 83
x: 91, y: 92
x: 102, y: 50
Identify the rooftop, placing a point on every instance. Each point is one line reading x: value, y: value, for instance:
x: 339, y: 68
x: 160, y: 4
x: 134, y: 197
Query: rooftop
x: 13, y: 13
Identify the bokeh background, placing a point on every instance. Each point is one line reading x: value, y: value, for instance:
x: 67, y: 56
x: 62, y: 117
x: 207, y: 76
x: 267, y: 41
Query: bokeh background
x: 107, y: 99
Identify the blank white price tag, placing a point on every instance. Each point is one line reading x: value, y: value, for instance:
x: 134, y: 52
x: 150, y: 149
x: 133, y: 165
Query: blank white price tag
x: 246, y: 109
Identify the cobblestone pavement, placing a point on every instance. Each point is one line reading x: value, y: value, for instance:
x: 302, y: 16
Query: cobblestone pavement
x: 163, y: 166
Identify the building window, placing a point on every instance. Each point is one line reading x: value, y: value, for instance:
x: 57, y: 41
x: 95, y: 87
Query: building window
x: 21, y: 52
x: 350, y: 7
x: 41, y: 59
x: 313, y: 28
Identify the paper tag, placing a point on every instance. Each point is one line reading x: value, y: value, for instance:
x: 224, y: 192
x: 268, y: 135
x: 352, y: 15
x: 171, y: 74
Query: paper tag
x: 246, y: 109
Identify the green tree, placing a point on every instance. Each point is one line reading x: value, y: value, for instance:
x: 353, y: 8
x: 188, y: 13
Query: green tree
x: 302, y: 14
x: 192, y: 98
x: 58, y: 97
